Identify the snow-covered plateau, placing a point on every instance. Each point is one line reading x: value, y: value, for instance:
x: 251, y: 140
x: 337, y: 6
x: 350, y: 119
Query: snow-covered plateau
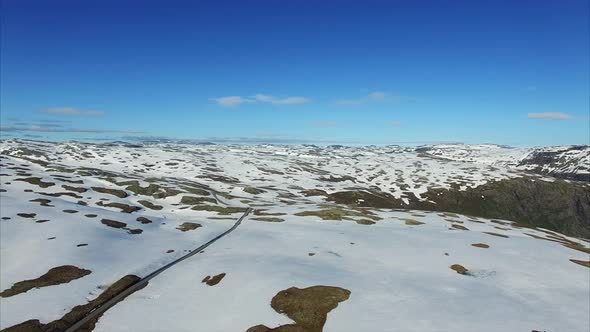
x: 447, y: 237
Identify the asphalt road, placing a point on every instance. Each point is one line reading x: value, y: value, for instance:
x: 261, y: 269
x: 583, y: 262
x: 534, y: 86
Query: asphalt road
x: 143, y: 282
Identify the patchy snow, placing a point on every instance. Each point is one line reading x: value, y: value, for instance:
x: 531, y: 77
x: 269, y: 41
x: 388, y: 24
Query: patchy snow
x: 397, y: 269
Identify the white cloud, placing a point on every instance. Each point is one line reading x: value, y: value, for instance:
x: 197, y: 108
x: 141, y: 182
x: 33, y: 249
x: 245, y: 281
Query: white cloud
x: 290, y: 101
x: 71, y: 111
x: 373, y: 97
x: 322, y: 124
x: 234, y: 101
x: 376, y: 96
x: 549, y: 116
x: 231, y: 101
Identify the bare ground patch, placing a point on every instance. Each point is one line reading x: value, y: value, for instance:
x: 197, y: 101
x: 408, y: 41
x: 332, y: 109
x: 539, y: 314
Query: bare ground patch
x: 212, y: 281
x: 308, y: 307
x: 459, y: 269
x: 55, y: 276
x: 188, y: 226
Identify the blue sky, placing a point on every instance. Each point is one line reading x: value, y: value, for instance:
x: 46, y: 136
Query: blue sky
x: 368, y: 72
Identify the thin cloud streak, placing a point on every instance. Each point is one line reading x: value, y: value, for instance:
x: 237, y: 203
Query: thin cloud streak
x: 235, y: 101
x: 549, y: 116
x: 46, y: 129
x: 322, y: 124
x: 373, y: 97
x: 71, y: 111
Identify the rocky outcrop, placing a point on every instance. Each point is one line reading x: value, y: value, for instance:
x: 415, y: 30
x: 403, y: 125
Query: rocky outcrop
x: 561, y: 206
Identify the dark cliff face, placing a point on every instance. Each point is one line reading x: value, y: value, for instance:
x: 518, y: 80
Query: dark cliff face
x: 560, y: 206
x: 560, y: 166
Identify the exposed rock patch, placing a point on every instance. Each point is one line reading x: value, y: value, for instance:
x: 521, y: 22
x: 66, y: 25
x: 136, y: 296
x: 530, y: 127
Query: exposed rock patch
x: 113, y: 223
x: 55, y: 276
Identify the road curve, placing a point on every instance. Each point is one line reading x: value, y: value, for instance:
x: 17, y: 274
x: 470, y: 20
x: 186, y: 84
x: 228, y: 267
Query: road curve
x: 143, y: 282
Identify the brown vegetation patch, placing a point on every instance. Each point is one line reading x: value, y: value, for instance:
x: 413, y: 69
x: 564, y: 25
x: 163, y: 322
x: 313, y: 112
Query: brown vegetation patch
x: 113, y: 223
x: 221, y: 210
x: 188, y: 226
x: 338, y: 214
x: 76, y: 189
x: 459, y: 269
x: 412, y: 222
x: 55, y: 276
x: 365, y: 222
x: 191, y: 200
x: 253, y: 191
x: 583, y: 263
x: 90, y: 215
x: 36, y: 181
x: 212, y: 281
x: 461, y: 227
x: 261, y: 212
x: 150, y: 205
x: 125, y: 208
x: 70, y: 211
x: 60, y: 194
x: 268, y: 219
x: 308, y: 307
x: 143, y: 220
x: 110, y: 191
x: 480, y: 245
x: 314, y: 192
x: 42, y: 202
x: 219, y: 178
